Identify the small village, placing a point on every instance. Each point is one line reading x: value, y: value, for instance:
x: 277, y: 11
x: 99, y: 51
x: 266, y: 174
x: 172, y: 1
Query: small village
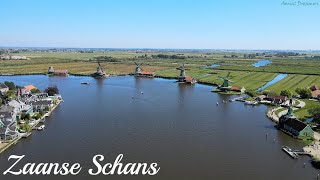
x: 23, y: 109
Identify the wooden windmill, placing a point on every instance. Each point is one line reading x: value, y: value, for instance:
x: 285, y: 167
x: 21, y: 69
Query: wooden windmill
x: 50, y: 70
x: 225, y: 86
x: 182, y: 76
x: 99, y: 73
x: 138, y: 69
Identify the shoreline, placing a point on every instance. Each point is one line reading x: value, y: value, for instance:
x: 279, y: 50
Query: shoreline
x: 7, y: 145
x: 312, y: 150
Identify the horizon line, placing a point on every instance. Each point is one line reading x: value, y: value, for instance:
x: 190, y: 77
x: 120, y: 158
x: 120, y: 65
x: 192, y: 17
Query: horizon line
x: 136, y: 48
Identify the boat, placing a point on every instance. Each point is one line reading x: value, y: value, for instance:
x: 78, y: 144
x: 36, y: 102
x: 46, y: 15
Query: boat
x: 251, y: 102
x: 289, y: 151
x: 85, y: 83
x: 42, y: 120
x: 25, y: 134
x: 40, y: 128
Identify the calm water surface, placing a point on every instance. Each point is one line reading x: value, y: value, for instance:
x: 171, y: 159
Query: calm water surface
x: 262, y: 63
x: 276, y: 79
x: 178, y: 126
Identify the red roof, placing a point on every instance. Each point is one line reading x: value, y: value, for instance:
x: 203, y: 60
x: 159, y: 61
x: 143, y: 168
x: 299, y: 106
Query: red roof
x: 147, y: 73
x: 29, y: 87
x: 235, y: 88
x: 62, y: 71
x: 315, y: 93
x: 188, y: 79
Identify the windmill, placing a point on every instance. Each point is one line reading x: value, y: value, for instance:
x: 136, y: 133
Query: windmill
x: 138, y: 69
x: 182, y: 76
x: 99, y: 73
x: 50, y: 70
x: 225, y: 86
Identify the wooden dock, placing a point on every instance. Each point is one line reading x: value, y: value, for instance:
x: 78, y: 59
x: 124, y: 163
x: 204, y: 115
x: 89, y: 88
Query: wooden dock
x: 290, y: 152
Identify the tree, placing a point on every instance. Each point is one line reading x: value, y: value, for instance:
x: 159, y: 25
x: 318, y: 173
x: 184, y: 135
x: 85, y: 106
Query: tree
x: 25, y: 116
x: 10, y: 95
x: 52, y: 90
x: 35, y: 90
x: 286, y: 93
x: 41, y: 112
x: 10, y: 85
x: 315, y: 113
x: 304, y: 93
x: 25, y: 127
x: 0, y: 101
x: 251, y: 93
x: 37, y: 116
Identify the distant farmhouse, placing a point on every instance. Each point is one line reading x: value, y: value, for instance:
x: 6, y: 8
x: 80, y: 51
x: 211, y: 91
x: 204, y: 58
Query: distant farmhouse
x: 315, y: 92
x: 8, y: 57
x: 58, y: 72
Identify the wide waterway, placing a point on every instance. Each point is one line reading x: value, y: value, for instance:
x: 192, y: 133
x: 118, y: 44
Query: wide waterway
x: 178, y: 126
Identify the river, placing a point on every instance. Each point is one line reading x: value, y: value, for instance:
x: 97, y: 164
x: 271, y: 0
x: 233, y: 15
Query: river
x: 178, y: 126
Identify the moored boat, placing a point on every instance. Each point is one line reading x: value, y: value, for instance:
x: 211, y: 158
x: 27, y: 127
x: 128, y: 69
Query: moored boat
x: 40, y: 128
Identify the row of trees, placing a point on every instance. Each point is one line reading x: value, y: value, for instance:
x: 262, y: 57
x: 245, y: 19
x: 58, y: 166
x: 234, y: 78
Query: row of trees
x: 302, y: 92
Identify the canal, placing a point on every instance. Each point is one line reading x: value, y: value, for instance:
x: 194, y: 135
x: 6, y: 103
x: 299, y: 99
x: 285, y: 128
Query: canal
x: 178, y: 126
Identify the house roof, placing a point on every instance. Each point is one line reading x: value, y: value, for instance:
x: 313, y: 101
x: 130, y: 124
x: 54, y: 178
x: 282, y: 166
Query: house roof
x: 188, y: 79
x: 147, y: 73
x: 315, y: 93
x: 64, y: 71
x: 235, y: 88
x: 15, y: 104
x: 3, y: 86
x: 29, y: 87
x: 6, y: 115
x: 295, y: 124
x: 41, y: 103
x: 262, y: 96
x: 277, y: 97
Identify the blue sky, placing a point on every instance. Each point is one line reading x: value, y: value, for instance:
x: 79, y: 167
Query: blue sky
x: 212, y: 24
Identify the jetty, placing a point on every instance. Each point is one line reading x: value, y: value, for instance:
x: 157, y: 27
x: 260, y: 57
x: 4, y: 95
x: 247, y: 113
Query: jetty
x: 237, y: 99
x: 290, y: 152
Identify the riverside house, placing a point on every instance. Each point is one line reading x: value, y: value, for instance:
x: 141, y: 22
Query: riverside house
x: 315, y: 92
x: 290, y: 124
x: 3, y: 88
x: 9, y: 114
x: 8, y: 127
x: 276, y: 99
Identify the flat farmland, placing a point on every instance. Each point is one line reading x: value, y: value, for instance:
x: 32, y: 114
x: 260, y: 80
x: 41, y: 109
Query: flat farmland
x: 293, y: 81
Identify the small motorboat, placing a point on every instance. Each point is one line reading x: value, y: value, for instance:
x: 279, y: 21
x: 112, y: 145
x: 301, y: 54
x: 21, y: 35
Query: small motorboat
x: 217, y: 104
x: 40, y: 128
x: 85, y: 83
x: 251, y: 102
x: 141, y: 92
x: 25, y: 134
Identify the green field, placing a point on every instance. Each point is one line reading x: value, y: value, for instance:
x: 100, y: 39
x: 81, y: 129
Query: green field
x: 293, y: 81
